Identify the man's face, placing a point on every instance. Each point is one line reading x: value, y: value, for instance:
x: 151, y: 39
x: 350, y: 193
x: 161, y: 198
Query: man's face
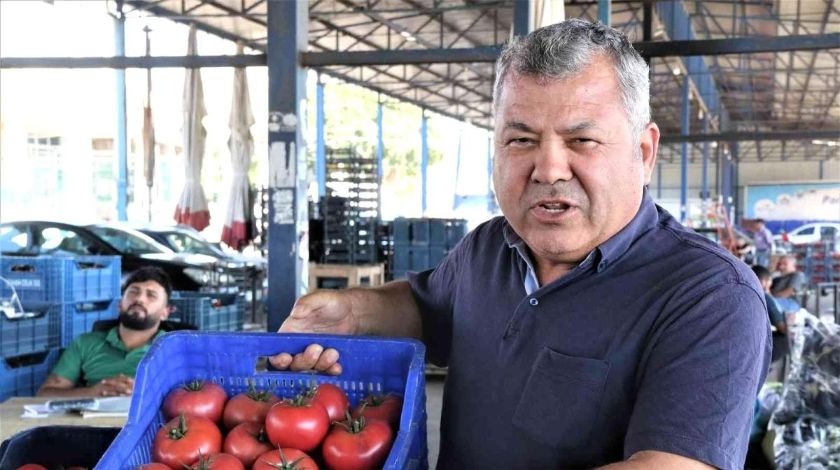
x: 786, y: 265
x: 567, y: 173
x: 143, y: 305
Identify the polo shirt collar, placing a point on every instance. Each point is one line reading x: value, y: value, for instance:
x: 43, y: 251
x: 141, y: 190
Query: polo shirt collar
x: 608, y: 252
x: 113, y: 338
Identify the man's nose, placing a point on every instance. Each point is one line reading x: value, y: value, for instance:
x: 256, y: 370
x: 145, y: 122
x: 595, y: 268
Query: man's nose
x: 552, y: 162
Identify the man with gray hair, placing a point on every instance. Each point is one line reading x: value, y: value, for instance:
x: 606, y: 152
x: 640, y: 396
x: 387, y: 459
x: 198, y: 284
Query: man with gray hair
x: 586, y: 327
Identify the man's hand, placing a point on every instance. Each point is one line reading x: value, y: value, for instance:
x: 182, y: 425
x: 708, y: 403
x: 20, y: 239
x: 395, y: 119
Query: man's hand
x: 324, y: 311
x: 119, y: 385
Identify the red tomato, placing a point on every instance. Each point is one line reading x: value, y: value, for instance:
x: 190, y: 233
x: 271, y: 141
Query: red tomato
x: 284, y: 459
x: 184, y: 439
x: 297, y: 423
x: 154, y: 466
x: 333, y: 399
x: 357, y: 444
x: 196, y: 398
x: 217, y: 462
x: 31, y: 466
x: 385, y: 407
x: 249, y: 406
x: 246, y: 442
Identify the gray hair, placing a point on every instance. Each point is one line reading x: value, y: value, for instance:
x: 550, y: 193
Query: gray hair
x: 564, y: 49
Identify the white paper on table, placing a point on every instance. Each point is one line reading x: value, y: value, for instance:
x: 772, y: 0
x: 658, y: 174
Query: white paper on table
x: 109, y: 406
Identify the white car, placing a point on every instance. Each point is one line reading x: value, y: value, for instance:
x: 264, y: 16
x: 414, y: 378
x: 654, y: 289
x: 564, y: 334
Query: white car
x: 810, y: 233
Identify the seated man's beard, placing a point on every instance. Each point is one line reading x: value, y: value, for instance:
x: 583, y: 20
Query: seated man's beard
x: 133, y: 322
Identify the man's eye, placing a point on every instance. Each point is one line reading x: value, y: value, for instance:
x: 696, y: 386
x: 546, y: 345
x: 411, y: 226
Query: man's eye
x: 520, y: 141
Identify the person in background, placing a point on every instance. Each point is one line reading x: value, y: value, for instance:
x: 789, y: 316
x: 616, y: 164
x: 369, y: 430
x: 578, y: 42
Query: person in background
x: 103, y: 363
x: 763, y: 240
x: 777, y: 317
x: 586, y: 327
x: 788, y: 284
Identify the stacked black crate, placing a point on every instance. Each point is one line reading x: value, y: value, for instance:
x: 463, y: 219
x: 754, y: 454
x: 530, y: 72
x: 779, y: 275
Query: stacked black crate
x: 350, y: 209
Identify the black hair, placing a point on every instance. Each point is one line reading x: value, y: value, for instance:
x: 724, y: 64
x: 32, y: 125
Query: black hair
x: 150, y: 273
x: 761, y: 272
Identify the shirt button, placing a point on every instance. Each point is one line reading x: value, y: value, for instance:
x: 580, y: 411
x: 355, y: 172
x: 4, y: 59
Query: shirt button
x: 534, y: 302
x: 602, y: 265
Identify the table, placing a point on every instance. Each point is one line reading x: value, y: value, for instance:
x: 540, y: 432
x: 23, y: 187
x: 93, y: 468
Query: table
x: 12, y: 409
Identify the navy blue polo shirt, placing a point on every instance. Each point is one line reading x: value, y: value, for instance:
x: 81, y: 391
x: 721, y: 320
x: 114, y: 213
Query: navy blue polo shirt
x: 659, y: 340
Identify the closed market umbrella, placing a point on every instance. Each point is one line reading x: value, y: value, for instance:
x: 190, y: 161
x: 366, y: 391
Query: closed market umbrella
x: 192, y: 205
x: 238, y: 229
x: 148, y: 131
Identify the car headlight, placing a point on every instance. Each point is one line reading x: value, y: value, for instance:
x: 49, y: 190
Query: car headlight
x: 200, y: 276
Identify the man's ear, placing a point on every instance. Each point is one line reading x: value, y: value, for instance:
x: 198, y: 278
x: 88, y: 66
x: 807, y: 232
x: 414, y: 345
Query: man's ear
x: 648, y: 148
x: 168, y: 311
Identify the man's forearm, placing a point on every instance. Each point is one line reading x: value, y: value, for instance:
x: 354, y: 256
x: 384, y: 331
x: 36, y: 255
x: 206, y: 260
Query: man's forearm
x: 389, y: 310
x: 785, y: 293
x: 66, y: 392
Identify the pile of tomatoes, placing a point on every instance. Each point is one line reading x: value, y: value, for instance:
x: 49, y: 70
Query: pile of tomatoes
x: 316, y: 429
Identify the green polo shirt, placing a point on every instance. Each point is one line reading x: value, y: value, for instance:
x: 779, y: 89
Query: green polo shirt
x: 98, y: 355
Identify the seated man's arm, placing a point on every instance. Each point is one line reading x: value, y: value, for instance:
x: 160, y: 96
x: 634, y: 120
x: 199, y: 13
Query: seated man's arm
x: 58, y: 386
x: 648, y: 459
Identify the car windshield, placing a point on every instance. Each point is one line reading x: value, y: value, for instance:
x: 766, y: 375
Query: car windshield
x: 127, y: 242
x: 185, y: 243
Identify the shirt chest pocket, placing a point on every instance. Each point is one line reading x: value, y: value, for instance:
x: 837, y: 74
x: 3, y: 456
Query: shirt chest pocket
x: 561, y: 399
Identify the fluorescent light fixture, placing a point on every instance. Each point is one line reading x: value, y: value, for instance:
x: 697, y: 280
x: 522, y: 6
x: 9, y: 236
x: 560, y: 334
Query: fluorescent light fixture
x: 677, y: 71
x: 408, y: 36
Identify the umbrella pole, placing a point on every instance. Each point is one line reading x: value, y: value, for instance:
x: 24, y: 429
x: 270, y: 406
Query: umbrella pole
x: 149, y: 182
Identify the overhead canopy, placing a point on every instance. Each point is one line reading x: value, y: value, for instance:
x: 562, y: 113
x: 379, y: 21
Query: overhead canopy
x: 765, y: 100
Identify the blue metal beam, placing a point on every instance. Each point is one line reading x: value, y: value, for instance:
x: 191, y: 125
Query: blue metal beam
x: 320, y: 138
x: 288, y: 219
x: 685, y: 125
x: 122, y: 134
x: 704, y: 181
x: 521, y: 15
x: 424, y: 158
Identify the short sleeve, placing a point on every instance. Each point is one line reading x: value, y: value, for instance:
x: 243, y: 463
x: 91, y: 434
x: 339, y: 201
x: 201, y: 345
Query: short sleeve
x: 434, y: 291
x: 69, y: 364
x: 699, y: 378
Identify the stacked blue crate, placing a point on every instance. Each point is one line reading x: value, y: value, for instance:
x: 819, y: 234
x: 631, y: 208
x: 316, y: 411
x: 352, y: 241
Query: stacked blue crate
x: 421, y: 244
x: 209, y: 311
x: 59, y: 299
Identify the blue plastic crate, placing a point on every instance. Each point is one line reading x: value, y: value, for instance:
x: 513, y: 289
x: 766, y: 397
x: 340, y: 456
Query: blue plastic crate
x: 79, y: 317
x: 209, y: 311
x: 420, y: 231
x: 370, y: 365
x: 60, y: 279
x: 57, y: 446
x: 21, y: 376
x: 419, y: 259
x: 400, y: 230
x: 456, y: 229
x: 402, y: 258
x: 36, y: 329
x: 437, y: 231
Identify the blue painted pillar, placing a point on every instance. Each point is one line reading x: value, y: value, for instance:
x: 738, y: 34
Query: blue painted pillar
x: 320, y: 140
x: 122, y: 135
x: 424, y: 158
x: 604, y: 11
x: 821, y: 169
x: 685, y: 129
x: 380, y: 154
x: 521, y: 14
x: 704, y: 181
x: 736, y: 164
x: 288, y: 218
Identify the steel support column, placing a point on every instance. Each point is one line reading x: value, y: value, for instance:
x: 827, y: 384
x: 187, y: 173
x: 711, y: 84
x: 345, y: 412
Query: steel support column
x: 288, y: 217
x: 491, y: 203
x: 704, y: 180
x: 424, y: 159
x: 685, y: 129
x: 380, y: 153
x: 604, y: 11
x: 320, y: 139
x: 122, y: 134
x: 734, y: 199
x: 521, y: 14
x: 659, y: 181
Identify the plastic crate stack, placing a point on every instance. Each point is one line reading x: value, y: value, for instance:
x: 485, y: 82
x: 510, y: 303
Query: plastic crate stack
x: 420, y: 244
x: 209, y: 311
x: 350, y: 208
x: 45, y: 303
x: 819, y: 261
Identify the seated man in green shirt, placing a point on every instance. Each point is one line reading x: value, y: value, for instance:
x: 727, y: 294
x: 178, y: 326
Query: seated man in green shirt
x: 103, y: 363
